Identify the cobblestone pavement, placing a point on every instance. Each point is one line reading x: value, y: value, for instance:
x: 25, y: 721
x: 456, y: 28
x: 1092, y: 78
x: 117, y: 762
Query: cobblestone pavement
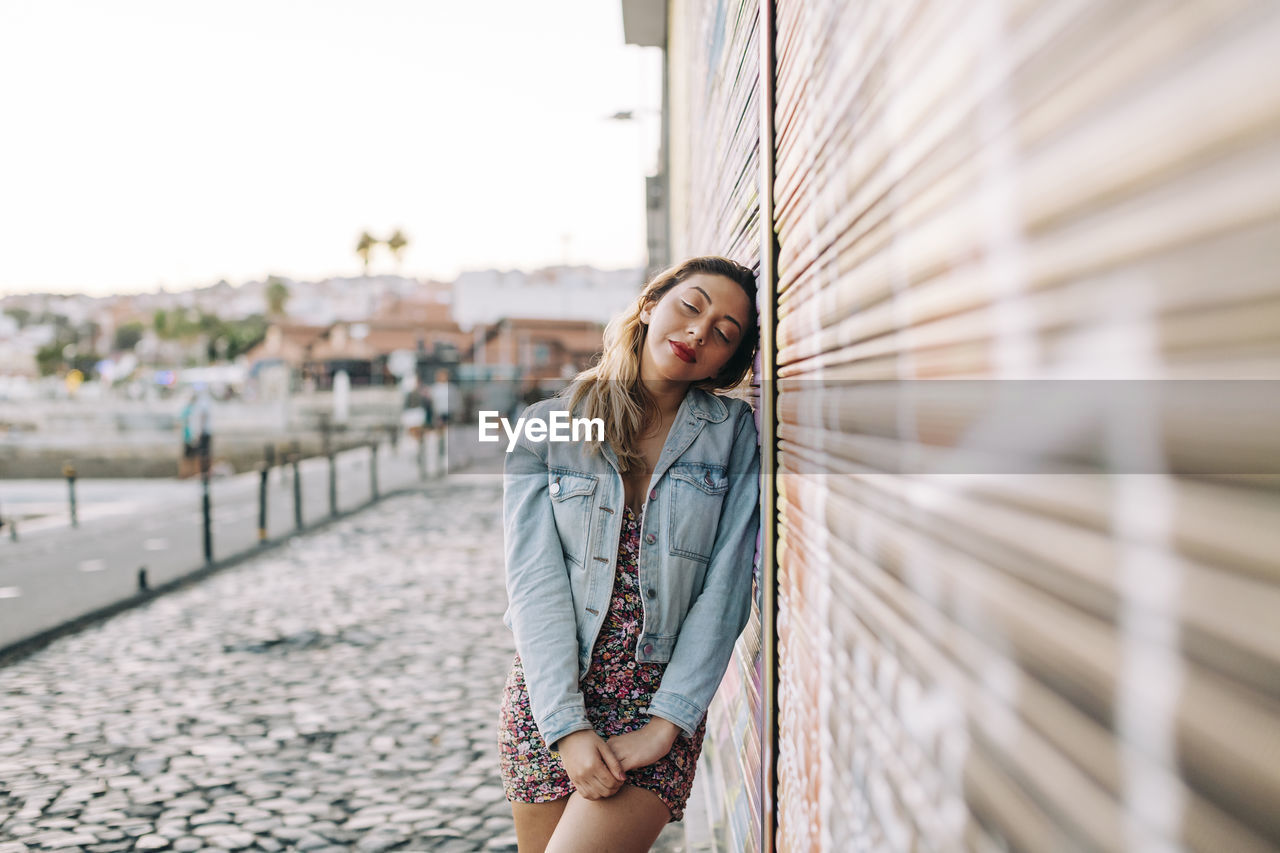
x: 340, y: 693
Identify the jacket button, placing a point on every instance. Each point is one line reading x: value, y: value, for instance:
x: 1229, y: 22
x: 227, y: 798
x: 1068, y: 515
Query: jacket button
x: 650, y: 538
x: 651, y: 592
x: 653, y: 494
x: 555, y: 488
x: 648, y: 648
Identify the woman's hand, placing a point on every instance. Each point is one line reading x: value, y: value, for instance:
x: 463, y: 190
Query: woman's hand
x: 646, y: 744
x: 591, y: 764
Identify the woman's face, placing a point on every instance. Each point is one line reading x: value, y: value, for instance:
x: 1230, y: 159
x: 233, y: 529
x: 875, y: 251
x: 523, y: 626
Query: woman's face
x: 694, y: 329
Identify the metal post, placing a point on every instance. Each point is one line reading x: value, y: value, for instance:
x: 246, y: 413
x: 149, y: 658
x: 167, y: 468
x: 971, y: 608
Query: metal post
x: 422, y: 454
x: 205, y: 502
x: 69, y: 471
x: 297, y: 493
x: 326, y: 447
x: 373, y: 471
x: 262, y: 504
x: 333, y: 483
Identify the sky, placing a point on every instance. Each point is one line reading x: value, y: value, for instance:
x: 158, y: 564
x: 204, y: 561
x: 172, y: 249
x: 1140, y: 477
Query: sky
x: 174, y: 143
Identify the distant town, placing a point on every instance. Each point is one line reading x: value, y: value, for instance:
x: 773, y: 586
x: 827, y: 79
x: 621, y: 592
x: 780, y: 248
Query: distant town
x: 377, y: 329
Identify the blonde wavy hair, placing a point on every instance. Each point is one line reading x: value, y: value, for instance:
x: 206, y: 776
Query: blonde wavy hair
x: 611, y: 388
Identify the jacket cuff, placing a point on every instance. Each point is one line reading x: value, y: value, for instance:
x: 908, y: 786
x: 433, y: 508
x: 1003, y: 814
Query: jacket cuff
x: 563, y: 721
x: 677, y: 709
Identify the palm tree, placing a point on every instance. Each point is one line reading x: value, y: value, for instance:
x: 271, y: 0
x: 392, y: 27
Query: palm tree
x: 277, y: 295
x: 396, y: 244
x: 366, y: 244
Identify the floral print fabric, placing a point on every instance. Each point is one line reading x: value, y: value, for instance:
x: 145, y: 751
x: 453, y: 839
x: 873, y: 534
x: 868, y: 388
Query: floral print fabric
x: 616, y: 691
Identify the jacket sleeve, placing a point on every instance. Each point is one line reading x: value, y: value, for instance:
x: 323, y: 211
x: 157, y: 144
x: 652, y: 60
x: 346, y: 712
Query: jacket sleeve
x: 540, y: 602
x: 720, y: 611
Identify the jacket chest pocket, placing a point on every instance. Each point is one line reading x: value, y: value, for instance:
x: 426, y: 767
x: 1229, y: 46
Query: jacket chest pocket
x: 697, y: 494
x: 571, y: 494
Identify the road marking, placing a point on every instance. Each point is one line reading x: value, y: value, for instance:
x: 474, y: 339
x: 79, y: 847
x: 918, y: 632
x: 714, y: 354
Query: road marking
x: 10, y: 592
x: 94, y: 565
x: 155, y: 544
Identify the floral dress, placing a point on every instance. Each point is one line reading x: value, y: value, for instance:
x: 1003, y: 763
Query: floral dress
x: 616, y: 690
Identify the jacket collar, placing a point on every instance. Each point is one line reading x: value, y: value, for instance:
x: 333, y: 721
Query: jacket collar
x: 699, y: 404
x: 707, y: 406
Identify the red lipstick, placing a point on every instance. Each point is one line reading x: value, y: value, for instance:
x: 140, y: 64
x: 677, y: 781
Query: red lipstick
x: 683, y: 352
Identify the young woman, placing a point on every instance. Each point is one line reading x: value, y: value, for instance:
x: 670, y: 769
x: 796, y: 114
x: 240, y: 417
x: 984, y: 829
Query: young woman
x: 629, y: 566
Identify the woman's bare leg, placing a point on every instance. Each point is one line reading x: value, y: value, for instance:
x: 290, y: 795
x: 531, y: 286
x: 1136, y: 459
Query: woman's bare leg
x: 535, y: 822
x: 628, y: 822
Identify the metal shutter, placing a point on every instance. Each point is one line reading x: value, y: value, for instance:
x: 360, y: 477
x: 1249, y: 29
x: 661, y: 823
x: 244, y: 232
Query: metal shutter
x: 1081, y: 189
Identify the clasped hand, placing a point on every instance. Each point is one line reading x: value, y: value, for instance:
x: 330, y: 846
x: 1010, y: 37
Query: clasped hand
x: 598, y: 768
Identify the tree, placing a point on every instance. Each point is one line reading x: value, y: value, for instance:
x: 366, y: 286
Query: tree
x: 364, y: 247
x: 128, y: 335
x: 396, y: 244
x: 277, y: 296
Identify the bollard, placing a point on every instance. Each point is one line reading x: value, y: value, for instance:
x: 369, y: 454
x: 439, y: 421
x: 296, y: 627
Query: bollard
x: 373, y: 471
x: 262, y: 504
x: 69, y: 471
x: 333, y: 484
x: 297, y: 493
x: 142, y: 579
x: 422, y: 454
x: 205, y: 507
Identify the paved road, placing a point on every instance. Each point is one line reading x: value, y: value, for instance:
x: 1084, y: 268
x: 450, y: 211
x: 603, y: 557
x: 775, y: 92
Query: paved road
x: 339, y: 693
x: 55, y: 573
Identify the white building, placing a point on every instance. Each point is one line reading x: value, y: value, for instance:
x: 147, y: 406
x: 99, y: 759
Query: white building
x: 555, y: 293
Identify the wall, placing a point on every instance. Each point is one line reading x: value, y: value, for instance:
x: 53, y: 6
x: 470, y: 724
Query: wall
x: 1033, y: 605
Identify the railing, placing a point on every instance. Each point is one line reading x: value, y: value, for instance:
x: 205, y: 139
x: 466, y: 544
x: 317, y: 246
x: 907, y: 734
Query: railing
x: 57, y: 579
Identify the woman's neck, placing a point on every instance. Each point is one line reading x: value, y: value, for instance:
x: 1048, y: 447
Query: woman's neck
x: 666, y: 395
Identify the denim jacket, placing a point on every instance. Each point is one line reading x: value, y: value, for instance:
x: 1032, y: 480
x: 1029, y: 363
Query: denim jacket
x: 562, y: 518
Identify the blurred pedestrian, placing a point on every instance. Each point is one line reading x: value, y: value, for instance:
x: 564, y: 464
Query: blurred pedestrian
x: 440, y: 398
x: 197, y: 430
x: 603, y: 714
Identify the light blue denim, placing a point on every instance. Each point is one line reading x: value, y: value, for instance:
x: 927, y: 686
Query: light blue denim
x: 562, y: 518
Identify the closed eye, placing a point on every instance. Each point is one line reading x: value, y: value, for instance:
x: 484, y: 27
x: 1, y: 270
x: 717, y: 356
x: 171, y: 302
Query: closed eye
x: 694, y: 310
